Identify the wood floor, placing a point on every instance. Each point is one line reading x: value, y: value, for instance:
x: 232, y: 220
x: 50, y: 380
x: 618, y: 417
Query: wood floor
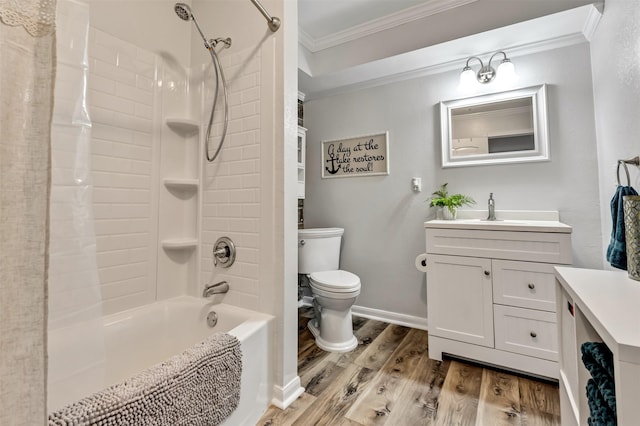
x: 390, y: 380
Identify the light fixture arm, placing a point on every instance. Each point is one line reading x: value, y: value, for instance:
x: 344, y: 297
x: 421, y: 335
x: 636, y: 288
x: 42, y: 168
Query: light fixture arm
x: 474, y: 57
x: 498, y: 53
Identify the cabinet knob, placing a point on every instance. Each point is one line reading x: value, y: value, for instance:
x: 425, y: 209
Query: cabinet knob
x: 533, y: 334
x: 302, y: 242
x: 531, y: 286
x: 487, y: 273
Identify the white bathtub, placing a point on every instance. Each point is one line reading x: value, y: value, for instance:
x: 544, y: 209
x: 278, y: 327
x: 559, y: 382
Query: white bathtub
x: 89, y: 357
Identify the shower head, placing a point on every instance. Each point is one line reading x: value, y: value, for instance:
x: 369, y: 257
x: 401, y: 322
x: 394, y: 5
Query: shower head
x: 183, y: 11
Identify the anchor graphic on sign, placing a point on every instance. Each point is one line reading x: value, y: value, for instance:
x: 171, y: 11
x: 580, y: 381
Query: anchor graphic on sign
x: 333, y: 160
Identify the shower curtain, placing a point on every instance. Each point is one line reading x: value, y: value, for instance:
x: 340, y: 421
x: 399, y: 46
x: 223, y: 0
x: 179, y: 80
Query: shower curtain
x: 27, y: 37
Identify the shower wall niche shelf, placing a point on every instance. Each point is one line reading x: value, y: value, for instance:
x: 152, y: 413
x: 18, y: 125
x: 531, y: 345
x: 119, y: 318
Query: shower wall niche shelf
x: 183, y: 125
x: 179, y: 243
x: 179, y: 180
x: 181, y: 184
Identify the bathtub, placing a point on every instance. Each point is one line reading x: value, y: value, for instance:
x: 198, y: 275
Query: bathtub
x: 88, y: 357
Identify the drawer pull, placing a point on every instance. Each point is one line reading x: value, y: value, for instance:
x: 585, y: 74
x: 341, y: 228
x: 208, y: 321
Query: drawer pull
x: 487, y: 273
x: 531, y: 286
x: 533, y: 334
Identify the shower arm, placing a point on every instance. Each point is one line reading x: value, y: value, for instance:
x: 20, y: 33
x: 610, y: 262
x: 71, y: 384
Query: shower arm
x: 272, y: 21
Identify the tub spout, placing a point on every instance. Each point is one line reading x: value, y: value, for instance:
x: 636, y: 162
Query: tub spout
x: 217, y: 288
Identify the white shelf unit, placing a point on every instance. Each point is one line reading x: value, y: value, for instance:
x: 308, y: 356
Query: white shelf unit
x: 598, y: 306
x: 302, y: 143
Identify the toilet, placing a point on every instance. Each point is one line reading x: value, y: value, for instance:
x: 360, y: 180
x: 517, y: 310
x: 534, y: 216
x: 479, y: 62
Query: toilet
x: 334, y: 291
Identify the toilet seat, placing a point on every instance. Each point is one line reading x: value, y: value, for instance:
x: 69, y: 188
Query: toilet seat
x: 337, y: 281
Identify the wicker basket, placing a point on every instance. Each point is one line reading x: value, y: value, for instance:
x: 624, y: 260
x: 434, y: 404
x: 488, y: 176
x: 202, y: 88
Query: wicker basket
x: 632, y: 234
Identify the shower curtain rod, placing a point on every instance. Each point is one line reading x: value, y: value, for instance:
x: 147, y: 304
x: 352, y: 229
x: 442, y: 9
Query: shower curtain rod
x: 272, y: 21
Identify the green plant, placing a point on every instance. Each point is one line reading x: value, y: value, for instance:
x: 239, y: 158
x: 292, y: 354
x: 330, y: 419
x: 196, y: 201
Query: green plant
x: 441, y: 198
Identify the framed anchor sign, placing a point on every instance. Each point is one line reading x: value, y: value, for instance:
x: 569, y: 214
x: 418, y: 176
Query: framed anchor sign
x: 359, y: 156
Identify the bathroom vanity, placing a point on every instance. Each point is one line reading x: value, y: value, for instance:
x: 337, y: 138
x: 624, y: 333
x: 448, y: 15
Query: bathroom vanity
x: 491, y: 289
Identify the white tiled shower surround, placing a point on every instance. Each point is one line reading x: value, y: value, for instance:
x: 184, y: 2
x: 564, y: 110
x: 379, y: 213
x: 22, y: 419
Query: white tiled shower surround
x: 74, y: 293
x: 130, y: 93
x: 231, y: 203
x: 135, y: 82
x: 122, y: 88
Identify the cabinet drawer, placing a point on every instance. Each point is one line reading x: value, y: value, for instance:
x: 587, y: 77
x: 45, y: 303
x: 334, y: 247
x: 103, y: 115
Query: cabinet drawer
x: 548, y: 247
x: 524, y: 284
x: 526, y: 331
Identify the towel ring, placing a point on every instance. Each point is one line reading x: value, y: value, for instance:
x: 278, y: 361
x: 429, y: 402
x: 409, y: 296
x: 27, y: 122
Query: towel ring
x: 635, y: 161
x: 626, y: 171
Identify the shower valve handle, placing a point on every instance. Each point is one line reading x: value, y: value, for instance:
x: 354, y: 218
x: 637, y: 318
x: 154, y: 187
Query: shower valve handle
x: 224, y: 252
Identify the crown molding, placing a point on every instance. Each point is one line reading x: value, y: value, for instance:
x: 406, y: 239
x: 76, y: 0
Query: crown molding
x: 563, y: 29
x: 591, y: 23
x: 428, y: 8
x: 305, y: 39
x: 450, y: 65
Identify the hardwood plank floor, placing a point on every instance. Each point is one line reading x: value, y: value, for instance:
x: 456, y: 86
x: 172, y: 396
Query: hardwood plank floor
x: 390, y: 380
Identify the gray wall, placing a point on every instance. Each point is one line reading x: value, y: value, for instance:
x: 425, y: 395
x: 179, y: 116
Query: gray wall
x: 616, y: 85
x: 383, y: 218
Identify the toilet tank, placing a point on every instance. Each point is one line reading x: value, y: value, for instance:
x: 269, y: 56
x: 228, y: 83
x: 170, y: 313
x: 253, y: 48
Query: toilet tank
x: 319, y: 249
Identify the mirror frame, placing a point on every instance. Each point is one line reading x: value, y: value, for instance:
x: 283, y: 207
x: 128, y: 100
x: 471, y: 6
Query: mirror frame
x: 538, y: 95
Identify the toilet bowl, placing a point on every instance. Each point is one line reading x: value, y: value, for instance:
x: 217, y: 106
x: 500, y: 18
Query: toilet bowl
x: 334, y: 291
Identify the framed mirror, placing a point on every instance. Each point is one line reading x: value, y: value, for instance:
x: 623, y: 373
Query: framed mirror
x: 505, y: 127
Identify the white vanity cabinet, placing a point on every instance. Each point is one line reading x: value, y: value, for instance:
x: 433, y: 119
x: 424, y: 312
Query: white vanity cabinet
x: 491, y: 291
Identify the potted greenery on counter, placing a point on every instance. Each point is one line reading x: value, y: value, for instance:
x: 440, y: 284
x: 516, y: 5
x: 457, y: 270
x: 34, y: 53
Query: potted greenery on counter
x: 441, y: 199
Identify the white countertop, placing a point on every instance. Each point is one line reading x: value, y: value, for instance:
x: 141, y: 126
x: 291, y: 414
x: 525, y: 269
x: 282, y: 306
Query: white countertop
x: 610, y: 299
x: 501, y: 225
x: 508, y: 220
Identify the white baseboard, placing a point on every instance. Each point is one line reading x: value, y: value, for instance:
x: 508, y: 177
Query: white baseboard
x: 284, y: 396
x: 391, y: 317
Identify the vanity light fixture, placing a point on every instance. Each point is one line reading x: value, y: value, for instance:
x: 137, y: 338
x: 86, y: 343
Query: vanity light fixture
x: 487, y: 73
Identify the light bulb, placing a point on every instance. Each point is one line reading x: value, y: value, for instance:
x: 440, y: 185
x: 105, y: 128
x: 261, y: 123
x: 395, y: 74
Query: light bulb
x: 506, y: 72
x: 467, y: 79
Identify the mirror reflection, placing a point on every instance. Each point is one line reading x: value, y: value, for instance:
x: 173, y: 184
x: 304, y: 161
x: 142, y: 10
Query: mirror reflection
x: 496, y: 128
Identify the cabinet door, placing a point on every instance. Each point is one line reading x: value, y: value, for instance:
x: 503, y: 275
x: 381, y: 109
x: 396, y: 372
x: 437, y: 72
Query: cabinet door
x: 459, y: 298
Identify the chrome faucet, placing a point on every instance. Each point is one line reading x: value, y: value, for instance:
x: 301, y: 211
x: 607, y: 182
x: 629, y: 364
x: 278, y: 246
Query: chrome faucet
x: 492, y: 208
x: 217, y: 288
